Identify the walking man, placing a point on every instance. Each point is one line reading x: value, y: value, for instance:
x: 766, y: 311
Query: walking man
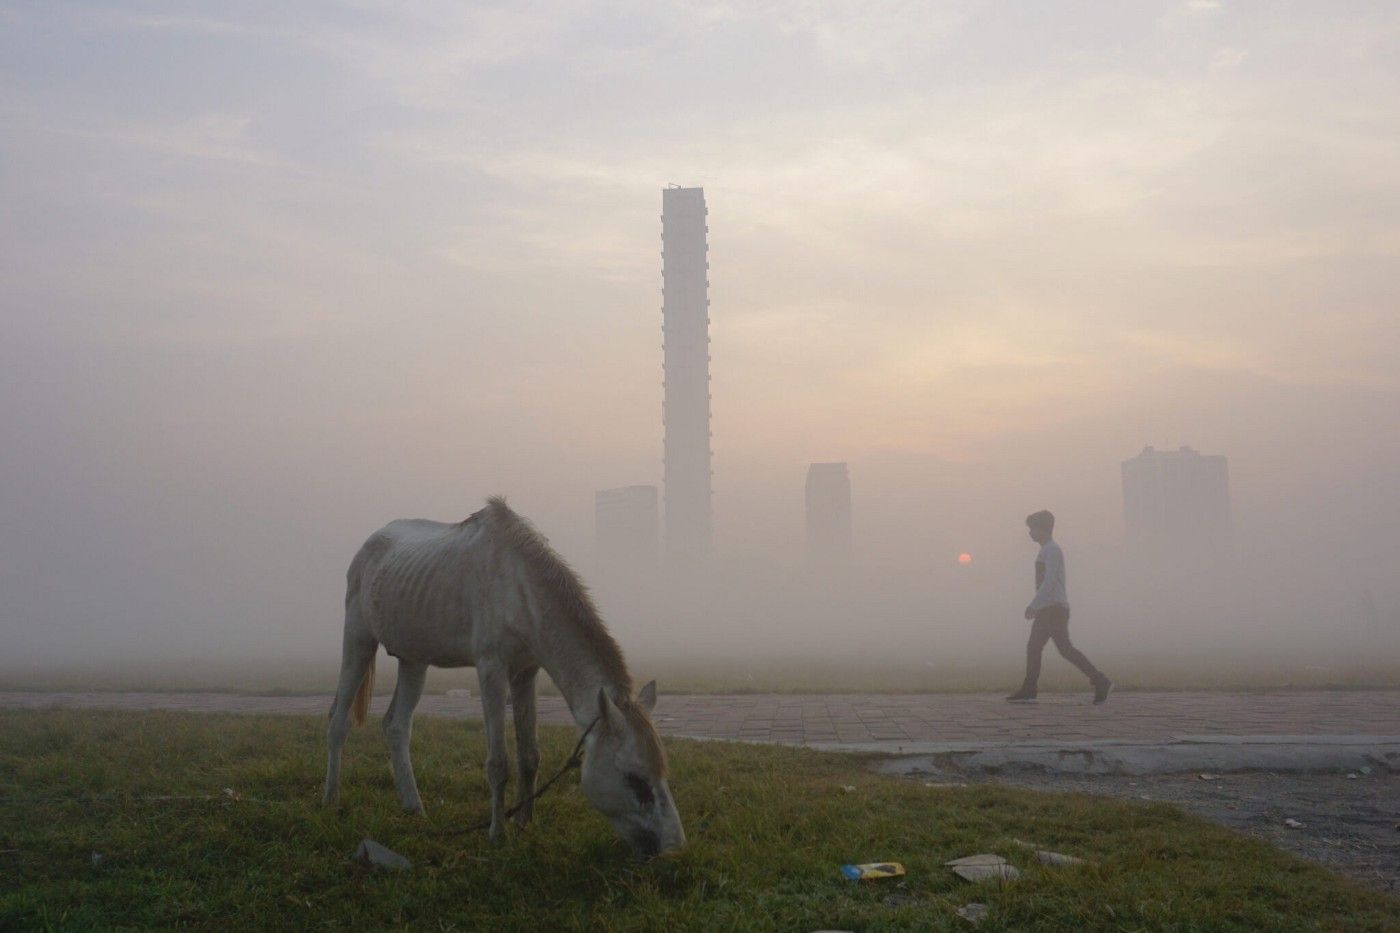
x: 1050, y: 612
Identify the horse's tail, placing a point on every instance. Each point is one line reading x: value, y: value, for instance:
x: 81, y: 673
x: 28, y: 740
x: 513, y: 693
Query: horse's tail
x: 359, y: 709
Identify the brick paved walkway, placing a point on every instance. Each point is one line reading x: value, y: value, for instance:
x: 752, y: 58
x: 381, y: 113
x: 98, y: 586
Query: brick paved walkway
x: 846, y: 719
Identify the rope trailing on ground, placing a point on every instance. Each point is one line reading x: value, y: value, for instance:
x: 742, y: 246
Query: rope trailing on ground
x: 575, y: 759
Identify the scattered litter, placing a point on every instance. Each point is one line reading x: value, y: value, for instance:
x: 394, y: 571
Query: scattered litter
x: 973, y: 913
x: 1205, y: 776
x: 97, y: 859
x: 231, y: 795
x: 1056, y: 858
x: 869, y: 871
x: 1023, y: 844
x: 1292, y: 823
x: 1352, y: 776
x: 984, y: 867
x: 377, y: 856
x: 1365, y: 769
x: 849, y: 788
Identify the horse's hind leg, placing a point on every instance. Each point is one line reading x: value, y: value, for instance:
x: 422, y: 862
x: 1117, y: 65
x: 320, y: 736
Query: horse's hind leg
x: 493, y: 680
x: 527, y: 746
x: 356, y: 658
x: 398, y: 728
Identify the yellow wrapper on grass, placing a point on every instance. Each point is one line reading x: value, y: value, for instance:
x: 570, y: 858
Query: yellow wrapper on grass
x: 872, y: 870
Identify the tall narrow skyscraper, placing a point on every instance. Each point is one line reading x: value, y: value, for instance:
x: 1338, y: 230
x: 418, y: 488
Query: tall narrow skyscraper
x: 685, y: 312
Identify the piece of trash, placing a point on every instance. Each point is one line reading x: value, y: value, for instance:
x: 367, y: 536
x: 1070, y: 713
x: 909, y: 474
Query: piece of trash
x: 231, y: 794
x: 984, y: 867
x: 1208, y: 777
x: 973, y: 913
x: 1023, y: 844
x: 870, y: 871
x: 1292, y: 823
x: 377, y: 856
x: 1365, y: 769
x: 1057, y: 858
x: 1352, y: 776
x: 97, y: 859
x: 849, y: 788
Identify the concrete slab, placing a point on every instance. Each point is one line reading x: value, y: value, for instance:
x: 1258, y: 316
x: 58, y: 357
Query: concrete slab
x: 1212, y: 754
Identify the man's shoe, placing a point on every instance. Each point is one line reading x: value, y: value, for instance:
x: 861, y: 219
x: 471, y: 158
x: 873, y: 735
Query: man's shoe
x: 1021, y: 696
x: 1102, y: 690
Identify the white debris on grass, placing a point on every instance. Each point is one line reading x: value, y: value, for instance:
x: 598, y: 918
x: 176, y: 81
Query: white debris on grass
x: 984, y: 867
x: 973, y: 913
x: 1292, y: 823
x: 375, y: 855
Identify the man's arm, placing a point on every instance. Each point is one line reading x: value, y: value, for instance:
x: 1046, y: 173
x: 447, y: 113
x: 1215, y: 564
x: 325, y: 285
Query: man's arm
x: 1054, y: 573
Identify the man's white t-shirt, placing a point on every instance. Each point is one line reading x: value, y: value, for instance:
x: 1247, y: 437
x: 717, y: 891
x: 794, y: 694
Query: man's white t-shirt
x: 1052, y: 590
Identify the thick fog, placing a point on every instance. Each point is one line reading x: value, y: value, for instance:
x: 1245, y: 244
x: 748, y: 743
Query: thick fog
x: 273, y: 275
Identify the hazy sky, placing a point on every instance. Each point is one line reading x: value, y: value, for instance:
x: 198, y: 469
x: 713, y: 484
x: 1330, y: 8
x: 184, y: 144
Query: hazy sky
x: 273, y: 274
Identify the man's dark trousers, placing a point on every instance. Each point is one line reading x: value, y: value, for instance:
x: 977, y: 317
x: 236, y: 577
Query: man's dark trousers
x: 1052, y: 623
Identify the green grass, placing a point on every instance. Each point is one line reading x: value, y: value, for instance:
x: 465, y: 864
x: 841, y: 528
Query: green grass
x: 768, y: 829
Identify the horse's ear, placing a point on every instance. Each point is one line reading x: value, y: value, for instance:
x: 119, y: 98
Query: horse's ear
x: 646, y: 699
x: 607, y: 709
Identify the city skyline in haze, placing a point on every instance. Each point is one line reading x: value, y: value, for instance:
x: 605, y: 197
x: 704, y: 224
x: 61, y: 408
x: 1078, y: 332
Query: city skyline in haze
x: 274, y: 275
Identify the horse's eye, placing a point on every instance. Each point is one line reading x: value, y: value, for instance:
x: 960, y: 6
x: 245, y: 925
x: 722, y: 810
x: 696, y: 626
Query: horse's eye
x: 640, y: 789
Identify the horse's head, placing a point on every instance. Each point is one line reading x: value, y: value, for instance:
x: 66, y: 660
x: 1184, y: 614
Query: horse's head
x: 624, y: 775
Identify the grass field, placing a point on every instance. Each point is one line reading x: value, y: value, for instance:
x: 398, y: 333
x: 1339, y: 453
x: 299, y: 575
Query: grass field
x: 768, y: 829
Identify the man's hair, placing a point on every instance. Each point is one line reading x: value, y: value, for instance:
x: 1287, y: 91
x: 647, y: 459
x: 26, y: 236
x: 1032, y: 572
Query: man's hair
x: 1041, y: 519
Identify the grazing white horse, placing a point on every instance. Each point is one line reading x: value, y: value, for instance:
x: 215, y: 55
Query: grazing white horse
x: 490, y: 593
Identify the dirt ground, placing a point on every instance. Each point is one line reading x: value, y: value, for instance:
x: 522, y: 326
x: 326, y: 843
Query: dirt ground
x: 1351, y: 825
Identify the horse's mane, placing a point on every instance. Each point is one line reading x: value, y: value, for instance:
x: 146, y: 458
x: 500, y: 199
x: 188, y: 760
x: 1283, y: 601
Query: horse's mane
x: 553, y: 574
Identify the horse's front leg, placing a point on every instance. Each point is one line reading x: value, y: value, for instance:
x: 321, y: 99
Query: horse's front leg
x: 527, y: 746
x: 494, y: 682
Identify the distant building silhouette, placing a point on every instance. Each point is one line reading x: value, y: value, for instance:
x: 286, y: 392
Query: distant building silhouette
x: 685, y: 312
x: 1177, y: 500
x: 828, y: 515
x: 626, y: 523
